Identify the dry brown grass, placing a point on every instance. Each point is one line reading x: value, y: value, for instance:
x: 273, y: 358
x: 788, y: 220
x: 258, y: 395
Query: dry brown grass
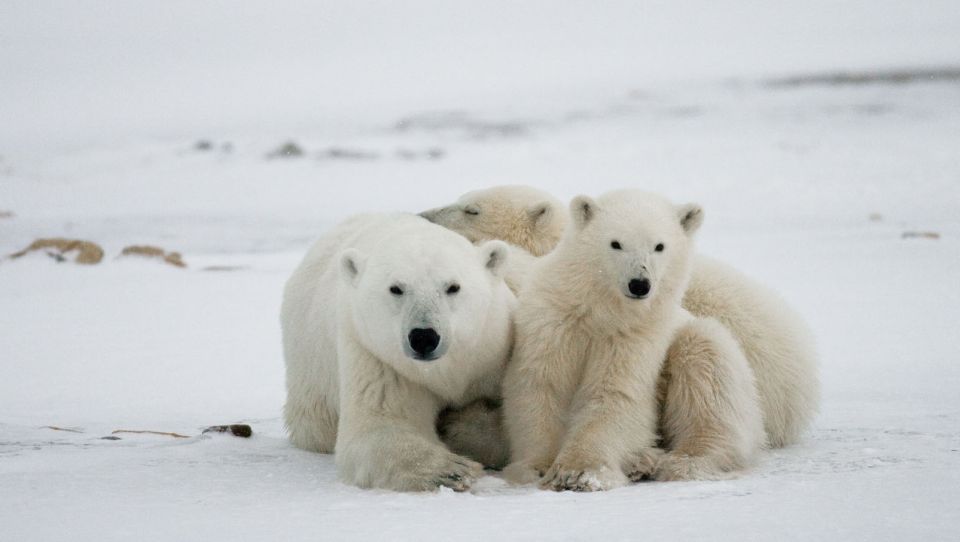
x: 88, y: 253
x: 148, y: 251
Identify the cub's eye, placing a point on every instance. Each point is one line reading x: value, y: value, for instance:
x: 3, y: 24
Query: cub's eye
x: 615, y: 245
x: 396, y: 290
x: 454, y: 288
x: 471, y: 210
x: 659, y: 247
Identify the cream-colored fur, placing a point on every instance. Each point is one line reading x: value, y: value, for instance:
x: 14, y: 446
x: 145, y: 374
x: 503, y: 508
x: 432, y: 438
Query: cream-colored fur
x: 777, y: 343
x: 580, y: 393
x: 355, y: 383
x: 520, y: 215
x: 467, y: 431
x: 711, y: 422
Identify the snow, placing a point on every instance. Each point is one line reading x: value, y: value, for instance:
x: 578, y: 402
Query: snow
x: 103, y: 105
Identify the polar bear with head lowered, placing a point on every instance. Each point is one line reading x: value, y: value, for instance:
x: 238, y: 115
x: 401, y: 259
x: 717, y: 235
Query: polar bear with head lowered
x: 388, y: 320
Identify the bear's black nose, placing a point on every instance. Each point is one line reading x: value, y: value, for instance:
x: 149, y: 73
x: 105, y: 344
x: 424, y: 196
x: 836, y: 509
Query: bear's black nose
x: 424, y: 341
x: 639, y: 287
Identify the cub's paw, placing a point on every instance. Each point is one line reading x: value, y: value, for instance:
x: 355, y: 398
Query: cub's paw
x: 521, y: 474
x: 642, y: 464
x: 675, y: 466
x: 560, y: 478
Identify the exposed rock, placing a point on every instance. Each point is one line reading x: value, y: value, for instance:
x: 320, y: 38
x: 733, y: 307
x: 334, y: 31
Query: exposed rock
x: 288, y: 150
x: 7, y: 214
x: 237, y: 430
x: 881, y: 77
x: 338, y: 153
x: 87, y: 253
x: 148, y: 251
x: 432, y: 153
x: 920, y: 235
x: 460, y: 123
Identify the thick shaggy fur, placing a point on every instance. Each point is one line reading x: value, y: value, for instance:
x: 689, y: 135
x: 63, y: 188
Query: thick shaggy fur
x: 777, y: 343
x: 355, y: 385
x: 580, y: 393
x: 711, y: 422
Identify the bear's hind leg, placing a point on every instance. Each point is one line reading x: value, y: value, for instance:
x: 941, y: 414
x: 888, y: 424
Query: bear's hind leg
x: 711, y: 419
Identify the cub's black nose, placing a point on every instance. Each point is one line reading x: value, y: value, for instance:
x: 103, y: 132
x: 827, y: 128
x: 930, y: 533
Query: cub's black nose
x: 424, y: 341
x: 639, y: 287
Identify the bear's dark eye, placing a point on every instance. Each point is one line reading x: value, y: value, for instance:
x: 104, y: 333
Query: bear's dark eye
x: 396, y: 290
x: 454, y: 288
x: 659, y: 247
x: 615, y: 245
x: 471, y: 210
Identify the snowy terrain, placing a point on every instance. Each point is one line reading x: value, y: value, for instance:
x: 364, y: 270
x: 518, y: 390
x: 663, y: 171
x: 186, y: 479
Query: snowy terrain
x: 809, y: 177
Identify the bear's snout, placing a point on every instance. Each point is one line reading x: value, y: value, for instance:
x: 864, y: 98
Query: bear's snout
x: 424, y: 342
x: 639, y: 288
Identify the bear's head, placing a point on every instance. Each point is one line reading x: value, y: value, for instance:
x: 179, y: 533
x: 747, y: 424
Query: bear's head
x: 419, y: 297
x: 520, y: 215
x: 636, y: 245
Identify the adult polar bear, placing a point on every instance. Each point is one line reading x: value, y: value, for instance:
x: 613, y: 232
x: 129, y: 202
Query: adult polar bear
x: 388, y: 320
x: 773, y: 337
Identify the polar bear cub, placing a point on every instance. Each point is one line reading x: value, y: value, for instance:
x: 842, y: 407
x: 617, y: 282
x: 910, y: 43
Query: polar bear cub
x: 520, y: 215
x: 595, y: 323
x: 388, y: 320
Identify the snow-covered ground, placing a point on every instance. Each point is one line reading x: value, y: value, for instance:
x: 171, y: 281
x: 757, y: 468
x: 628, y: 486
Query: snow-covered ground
x: 102, y: 106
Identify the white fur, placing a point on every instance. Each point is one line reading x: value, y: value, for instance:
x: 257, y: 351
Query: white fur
x: 353, y: 384
x: 777, y: 343
x: 580, y: 393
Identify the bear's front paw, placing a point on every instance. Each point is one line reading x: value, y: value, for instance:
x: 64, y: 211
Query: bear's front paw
x: 431, y: 470
x: 521, y: 474
x: 674, y: 466
x: 560, y: 478
x: 642, y: 464
x: 456, y: 472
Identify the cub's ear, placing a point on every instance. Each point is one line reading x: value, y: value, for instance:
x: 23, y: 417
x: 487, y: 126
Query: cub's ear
x: 351, y: 265
x: 691, y: 217
x: 493, y: 254
x: 540, y: 213
x: 582, y: 210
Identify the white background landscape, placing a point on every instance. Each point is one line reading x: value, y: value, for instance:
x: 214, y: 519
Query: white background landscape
x: 153, y: 122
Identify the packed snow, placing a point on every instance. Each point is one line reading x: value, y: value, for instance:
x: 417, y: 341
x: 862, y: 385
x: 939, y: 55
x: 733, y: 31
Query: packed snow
x: 821, y: 138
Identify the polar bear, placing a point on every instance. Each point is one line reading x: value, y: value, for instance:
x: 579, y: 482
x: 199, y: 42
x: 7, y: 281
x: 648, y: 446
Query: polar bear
x: 520, y: 215
x: 773, y: 336
x: 388, y: 320
x: 594, y: 325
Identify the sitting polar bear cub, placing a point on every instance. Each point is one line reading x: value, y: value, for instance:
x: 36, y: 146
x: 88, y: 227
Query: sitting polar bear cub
x: 775, y: 340
x: 388, y: 320
x: 593, y: 328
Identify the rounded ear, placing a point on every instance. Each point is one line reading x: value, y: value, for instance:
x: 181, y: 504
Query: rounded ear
x: 691, y: 217
x: 351, y: 265
x: 540, y: 213
x: 493, y: 254
x: 582, y: 210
